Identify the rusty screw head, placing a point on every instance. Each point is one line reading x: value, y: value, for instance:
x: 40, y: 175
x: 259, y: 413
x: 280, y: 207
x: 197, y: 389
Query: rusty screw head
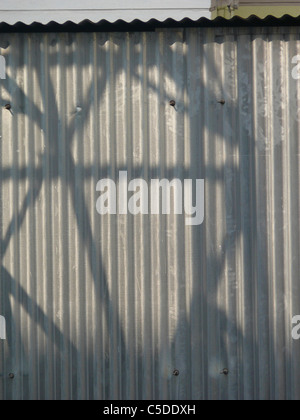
x: 224, y: 372
x: 222, y: 102
x: 172, y: 103
x: 8, y: 107
x: 11, y: 376
x: 176, y: 372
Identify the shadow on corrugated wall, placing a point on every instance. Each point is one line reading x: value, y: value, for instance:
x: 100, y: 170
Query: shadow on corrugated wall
x: 197, y: 299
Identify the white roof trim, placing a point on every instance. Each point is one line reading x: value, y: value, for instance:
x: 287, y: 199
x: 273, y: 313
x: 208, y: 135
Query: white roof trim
x: 61, y: 11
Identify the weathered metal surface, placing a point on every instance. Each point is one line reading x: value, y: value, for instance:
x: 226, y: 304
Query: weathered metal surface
x: 76, y: 11
x: 109, y: 307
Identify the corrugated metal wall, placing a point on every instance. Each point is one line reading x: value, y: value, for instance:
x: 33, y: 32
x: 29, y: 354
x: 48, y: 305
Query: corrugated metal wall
x: 77, y: 11
x: 107, y: 307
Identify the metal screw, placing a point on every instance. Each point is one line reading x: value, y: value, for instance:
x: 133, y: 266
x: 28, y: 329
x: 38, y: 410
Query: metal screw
x: 11, y: 376
x: 172, y: 103
x: 224, y: 372
x: 176, y: 372
x: 8, y: 107
x: 222, y: 102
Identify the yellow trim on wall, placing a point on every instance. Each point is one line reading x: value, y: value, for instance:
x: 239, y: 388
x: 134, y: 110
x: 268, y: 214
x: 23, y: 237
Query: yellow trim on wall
x: 260, y: 11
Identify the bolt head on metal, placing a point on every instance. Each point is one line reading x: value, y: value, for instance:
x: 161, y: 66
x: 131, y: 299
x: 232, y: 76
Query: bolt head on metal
x: 11, y: 376
x: 172, y: 103
x: 8, y: 107
x: 176, y: 372
x: 222, y: 102
x: 224, y: 372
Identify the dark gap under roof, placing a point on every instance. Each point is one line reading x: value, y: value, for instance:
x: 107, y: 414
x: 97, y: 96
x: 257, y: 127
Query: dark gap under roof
x: 151, y: 25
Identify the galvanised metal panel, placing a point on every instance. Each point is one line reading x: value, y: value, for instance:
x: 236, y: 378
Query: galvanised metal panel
x: 108, y: 307
x: 77, y: 11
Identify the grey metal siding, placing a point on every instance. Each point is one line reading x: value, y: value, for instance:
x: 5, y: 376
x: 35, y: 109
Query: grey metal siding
x: 106, y: 307
x: 61, y: 11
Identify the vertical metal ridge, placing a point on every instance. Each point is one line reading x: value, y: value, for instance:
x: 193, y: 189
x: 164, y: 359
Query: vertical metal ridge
x: 261, y: 238
x: 246, y: 155
x: 189, y: 272
x: 207, y: 322
x: 153, y: 72
x: 277, y: 191
x: 287, y: 222
x: 59, y: 283
x: 94, y: 385
x: 270, y: 208
x: 145, y: 364
x: 164, y: 358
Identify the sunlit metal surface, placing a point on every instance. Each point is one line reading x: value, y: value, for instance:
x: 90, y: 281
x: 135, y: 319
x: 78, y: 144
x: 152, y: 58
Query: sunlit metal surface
x: 77, y: 11
x: 144, y: 307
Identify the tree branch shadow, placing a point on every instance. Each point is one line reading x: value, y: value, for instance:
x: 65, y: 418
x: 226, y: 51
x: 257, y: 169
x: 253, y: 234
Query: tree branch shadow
x: 202, y: 324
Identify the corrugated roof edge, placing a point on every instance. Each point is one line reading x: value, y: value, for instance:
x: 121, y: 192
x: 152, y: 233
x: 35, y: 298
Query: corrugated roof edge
x: 151, y: 25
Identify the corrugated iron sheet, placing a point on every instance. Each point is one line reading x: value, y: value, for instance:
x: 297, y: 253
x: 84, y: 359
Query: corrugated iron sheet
x: 62, y: 11
x: 137, y: 25
x: 107, y: 307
